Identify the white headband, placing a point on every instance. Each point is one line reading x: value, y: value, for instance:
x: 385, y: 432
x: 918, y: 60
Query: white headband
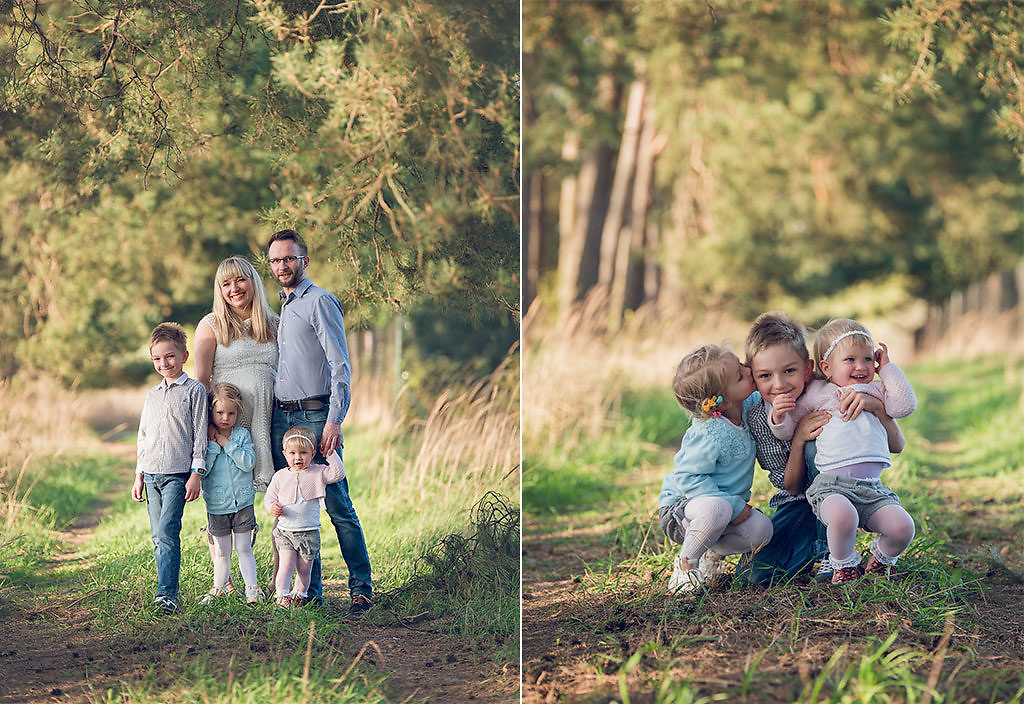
x: 845, y: 334
x: 298, y: 437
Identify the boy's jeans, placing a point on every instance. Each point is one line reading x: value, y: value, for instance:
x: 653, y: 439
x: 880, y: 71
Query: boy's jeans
x: 339, y: 507
x: 165, y: 500
x: 796, y: 543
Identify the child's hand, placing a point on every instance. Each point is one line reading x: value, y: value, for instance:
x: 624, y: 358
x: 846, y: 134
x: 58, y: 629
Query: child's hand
x: 811, y: 425
x: 276, y: 510
x: 851, y: 403
x: 137, y: 489
x: 881, y: 356
x: 744, y: 515
x: 193, y: 487
x: 783, y: 404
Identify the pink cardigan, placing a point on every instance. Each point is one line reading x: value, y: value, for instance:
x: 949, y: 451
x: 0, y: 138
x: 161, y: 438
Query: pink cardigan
x: 288, y: 487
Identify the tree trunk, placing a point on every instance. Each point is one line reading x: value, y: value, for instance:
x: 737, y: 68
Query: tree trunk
x: 532, y: 236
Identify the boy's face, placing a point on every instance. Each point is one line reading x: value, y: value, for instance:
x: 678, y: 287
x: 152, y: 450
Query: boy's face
x: 224, y: 415
x: 298, y: 454
x: 739, y: 384
x: 851, y: 362
x: 779, y: 369
x: 167, y: 359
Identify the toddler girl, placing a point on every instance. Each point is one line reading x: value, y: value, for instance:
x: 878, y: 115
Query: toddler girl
x: 703, y: 501
x: 294, y: 498
x: 229, y: 493
x: 848, y: 491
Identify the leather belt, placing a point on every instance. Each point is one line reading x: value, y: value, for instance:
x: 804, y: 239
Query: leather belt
x: 313, y: 403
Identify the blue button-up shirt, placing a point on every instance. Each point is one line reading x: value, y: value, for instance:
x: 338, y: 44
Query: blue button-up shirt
x: 313, y: 352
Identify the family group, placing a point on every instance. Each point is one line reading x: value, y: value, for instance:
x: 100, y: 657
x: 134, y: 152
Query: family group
x: 264, y: 415
x: 823, y: 429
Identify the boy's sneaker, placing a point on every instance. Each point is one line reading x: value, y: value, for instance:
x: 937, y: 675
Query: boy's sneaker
x: 825, y: 571
x: 254, y: 595
x: 846, y: 574
x: 880, y: 569
x: 711, y: 567
x: 684, y: 578
x: 166, y: 604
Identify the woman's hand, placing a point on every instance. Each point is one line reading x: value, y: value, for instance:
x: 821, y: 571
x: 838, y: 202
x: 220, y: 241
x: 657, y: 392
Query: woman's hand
x: 744, y: 515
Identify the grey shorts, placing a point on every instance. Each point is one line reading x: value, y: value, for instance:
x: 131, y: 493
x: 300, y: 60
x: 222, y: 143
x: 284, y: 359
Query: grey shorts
x: 241, y: 521
x: 671, y: 518
x: 304, y: 542
x: 866, y: 495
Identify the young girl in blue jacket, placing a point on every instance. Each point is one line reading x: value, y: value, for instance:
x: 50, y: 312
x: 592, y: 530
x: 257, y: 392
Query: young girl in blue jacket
x: 704, y: 501
x: 229, y: 493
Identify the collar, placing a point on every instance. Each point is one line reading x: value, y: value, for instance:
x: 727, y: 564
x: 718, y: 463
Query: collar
x: 177, y: 382
x: 299, y: 290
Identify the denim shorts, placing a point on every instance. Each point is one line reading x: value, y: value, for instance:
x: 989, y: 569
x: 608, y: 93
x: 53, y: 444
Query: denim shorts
x: 241, y: 521
x: 304, y: 542
x: 866, y: 495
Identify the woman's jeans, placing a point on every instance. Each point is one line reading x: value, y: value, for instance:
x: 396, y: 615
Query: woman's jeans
x: 165, y: 500
x: 339, y: 507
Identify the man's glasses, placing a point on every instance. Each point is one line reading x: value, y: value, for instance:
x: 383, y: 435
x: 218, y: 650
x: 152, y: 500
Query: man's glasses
x: 284, y: 260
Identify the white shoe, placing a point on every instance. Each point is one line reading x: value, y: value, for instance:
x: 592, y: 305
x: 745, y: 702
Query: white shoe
x: 711, y: 566
x: 684, y: 578
x: 825, y: 571
x: 254, y: 595
x: 211, y: 597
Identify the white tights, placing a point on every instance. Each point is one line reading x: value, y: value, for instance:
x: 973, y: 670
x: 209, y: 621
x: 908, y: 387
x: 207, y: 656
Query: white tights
x: 291, y: 562
x: 893, y: 524
x: 222, y: 559
x: 707, y: 527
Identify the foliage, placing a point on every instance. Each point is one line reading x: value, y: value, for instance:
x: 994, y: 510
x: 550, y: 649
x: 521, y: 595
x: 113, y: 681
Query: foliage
x: 143, y: 142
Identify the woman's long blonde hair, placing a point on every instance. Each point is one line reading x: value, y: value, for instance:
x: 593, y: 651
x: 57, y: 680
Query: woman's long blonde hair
x: 228, y: 325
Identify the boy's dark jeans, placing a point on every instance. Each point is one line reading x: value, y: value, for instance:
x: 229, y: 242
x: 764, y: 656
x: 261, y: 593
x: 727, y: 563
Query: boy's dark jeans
x: 798, y: 541
x: 339, y: 506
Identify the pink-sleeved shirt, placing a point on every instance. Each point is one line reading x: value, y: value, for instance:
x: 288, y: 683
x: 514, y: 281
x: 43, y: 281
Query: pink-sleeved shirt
x: 299, y: 493
x: 862, y: 440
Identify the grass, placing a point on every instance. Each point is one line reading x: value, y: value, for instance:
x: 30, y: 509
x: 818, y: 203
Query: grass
x: 955, y: 601
x: 415, y: 487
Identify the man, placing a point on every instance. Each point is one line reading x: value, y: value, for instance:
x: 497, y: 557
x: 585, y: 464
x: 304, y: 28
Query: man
x: 312, y: 389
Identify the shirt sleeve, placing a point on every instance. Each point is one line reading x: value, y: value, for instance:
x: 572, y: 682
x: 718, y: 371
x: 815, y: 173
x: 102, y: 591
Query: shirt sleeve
x: 140, y: 445
x: 241, y: 451
x: 329, y: 324
x: 694, y: 465
x: 899, y: 398
x: 335, y: 469
x: 810, y: 400
x: 270, y: 498
x: 197, y: 393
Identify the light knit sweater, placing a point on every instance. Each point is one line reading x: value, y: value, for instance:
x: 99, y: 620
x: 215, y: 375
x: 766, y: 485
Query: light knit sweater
x: 862, y: 440
x: 293, y: 490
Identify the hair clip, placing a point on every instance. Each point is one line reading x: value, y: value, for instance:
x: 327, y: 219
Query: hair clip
x: 709, y: 403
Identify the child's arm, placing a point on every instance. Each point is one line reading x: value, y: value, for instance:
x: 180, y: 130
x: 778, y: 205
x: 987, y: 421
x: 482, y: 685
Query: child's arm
x: 694, y: 464
x: 809, y: 427
x: 270, y: 500
x: 899, y: 397
x: 783, y: 422
x: 200, y: 423
x: 335, y: 470
x: 852, y: 404
x: 137, y: 488
x: 140, y: 453
x: 240, y: 449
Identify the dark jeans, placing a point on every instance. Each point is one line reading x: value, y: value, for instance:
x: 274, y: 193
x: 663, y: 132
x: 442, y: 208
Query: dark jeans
x: 165, y: 501
x: 798, y: 541
x: 339, y: 506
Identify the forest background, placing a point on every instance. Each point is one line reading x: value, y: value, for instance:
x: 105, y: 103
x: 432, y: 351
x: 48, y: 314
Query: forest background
x: 687, y: 166
x: 141, y: 144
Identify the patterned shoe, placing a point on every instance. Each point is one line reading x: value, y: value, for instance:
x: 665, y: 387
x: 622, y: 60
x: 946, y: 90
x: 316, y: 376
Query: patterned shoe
x: 284, y: 602
x: 684, y: 578
x: 825, y: 571
x: 880, y: 569
x: 846, y: 574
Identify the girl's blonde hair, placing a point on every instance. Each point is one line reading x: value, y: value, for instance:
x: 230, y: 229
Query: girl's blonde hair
x: 701, y: 375
x: 228, y: 325
x: 299, y: 431
x: 834, y: 329
x: 224, y: 391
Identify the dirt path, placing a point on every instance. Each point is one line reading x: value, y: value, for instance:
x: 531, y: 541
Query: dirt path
x: 53, y: 648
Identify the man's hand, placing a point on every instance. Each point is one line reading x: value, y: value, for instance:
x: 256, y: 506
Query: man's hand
x: 811, y: 425
x: 881, y: 356
x: 137, y: 489
x: 193, y: 487
x: 330, y: 440
x: 783, y: 404
x: 744, y: 515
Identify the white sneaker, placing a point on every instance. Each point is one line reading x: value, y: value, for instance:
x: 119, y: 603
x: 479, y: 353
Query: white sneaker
x: 211, y: 597
x: 825, y: 571
x: 254, y: 595
x: 711, y: 566
x: 684, y: 578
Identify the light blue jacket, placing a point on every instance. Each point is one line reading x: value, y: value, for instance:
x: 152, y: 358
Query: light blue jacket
x: 227, y: 486
x: 716, y: 458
